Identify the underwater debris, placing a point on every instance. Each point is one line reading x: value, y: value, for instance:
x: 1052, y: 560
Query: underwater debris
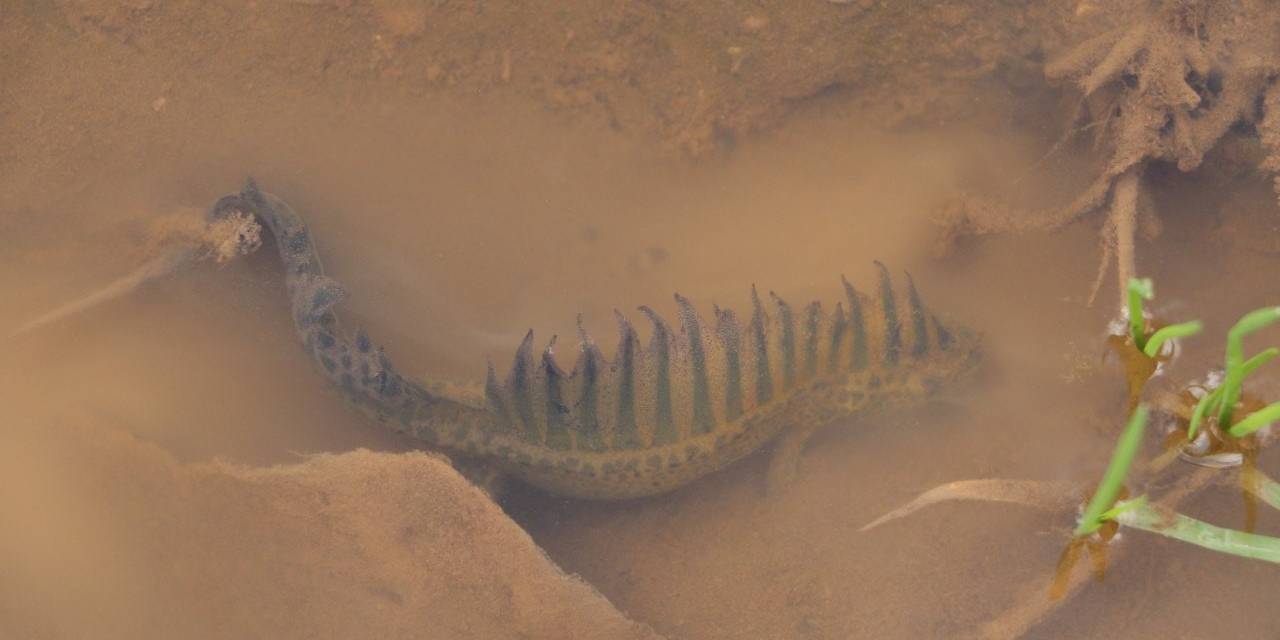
x: 1165, y: 86
x: 1029, y: 493
x: 221, y: 240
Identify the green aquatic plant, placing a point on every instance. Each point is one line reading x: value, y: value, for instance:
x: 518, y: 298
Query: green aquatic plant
x: 1165, y: 334
x: 1108, y: 510
x: 1113, y: 480
x: 1138, y: 514
x: 1150, y: 344
x: 1222, y: 400
x: 1209, y: 401
x: 1139, y: 289
x: 1251, y: 322
x: 1256, y: 420
x: 1103, y: 507
x: 1262, y: 487
x: 1140, y: 352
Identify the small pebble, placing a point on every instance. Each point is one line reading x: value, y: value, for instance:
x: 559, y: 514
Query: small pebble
x: 751, y: 24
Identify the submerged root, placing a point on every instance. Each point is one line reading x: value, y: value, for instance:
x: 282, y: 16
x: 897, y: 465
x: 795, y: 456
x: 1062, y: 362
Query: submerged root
x: 170, y: 262
x: 1033, y: 604
x: 181, y: 242
x: 1166, y: 86
x: 1120, y: 231
x: 1050, y: 496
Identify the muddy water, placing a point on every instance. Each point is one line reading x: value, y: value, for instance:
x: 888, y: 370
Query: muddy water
x: 460, y: 225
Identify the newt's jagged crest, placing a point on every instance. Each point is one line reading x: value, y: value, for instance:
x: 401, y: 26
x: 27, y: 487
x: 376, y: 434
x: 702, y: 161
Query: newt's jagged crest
x: 684, y: 384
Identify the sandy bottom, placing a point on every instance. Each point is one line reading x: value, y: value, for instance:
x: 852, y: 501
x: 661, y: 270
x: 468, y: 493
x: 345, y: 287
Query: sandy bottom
x: 155, y: 469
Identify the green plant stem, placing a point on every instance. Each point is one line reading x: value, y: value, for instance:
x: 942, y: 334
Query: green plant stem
x: 1210, y: 399
x: 1253, y: 363
x: 1179, y: 527
x: 1165, y: 334
x: 1265, y: 488
x: 1251, y: 322
x: 1256, y: 420
x: 1113, y: 479
x: 1205, y: 405
x: 1139, y: 288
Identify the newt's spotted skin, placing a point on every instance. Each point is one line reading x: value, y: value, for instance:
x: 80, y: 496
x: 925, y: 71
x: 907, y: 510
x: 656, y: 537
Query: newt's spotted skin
x: 659, y: 415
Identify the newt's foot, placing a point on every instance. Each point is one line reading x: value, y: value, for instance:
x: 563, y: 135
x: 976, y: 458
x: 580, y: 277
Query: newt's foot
x: 487, y: 477
x: 785, y: 463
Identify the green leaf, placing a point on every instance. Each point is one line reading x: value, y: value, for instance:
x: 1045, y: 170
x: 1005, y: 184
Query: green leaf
x: 1206, y: 404
x: 1252, y: 321
x: 1139, y: 289
x: 1165, y: 334
x: 1202, y: 534
x: 1256, y: 420
x: 1113, y: 479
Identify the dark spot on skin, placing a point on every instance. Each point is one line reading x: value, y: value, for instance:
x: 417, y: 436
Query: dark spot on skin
x: 323, y: 298
x: 297, y: 242
x: 326, y: 339
x: 329, y: 364
x: 347, y: 381
x: 363, y: 344
x: 390, y: 386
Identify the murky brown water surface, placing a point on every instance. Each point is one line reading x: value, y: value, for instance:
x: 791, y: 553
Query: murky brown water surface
x: 459, y: 223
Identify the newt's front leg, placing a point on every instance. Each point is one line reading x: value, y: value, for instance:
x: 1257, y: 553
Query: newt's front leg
x: 785, y: 460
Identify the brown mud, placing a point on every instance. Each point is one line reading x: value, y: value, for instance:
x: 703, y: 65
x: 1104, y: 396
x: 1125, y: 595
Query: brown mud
x: 471, y: 171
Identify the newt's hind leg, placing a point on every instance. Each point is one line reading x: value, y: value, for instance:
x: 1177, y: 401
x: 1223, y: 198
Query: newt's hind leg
x: 483, y: 475
x: 785, y: 462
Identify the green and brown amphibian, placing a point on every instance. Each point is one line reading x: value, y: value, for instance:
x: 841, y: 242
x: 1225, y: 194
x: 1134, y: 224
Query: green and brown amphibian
x: 657, y: 416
